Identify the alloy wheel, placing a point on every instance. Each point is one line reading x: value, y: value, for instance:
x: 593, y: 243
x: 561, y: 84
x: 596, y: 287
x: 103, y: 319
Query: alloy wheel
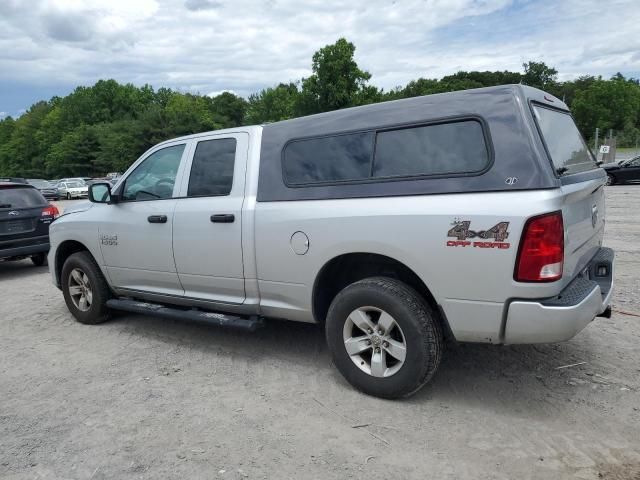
x: 374, y: 341
x: 80, y: 290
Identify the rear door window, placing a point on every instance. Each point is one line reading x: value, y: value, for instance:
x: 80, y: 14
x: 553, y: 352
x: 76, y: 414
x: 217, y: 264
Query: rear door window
x: 212, y: 168
x: 20, y: 197
x: 563, y: 140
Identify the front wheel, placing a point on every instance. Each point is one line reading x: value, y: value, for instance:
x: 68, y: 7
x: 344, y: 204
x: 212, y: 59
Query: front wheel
x: 84, y: 288
x: 384, y: 337
x: 68, y: 196
x: 611, y: 180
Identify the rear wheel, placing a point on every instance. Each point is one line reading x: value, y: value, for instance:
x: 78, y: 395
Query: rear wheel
x: 84, y: 288
x: 383, y: 337
x: 38, y: 259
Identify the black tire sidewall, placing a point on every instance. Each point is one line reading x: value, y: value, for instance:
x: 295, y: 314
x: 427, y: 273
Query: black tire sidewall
x: 39, y: 259
x: 414, y: 318
x: 612, y: 179
x: 98, y: 311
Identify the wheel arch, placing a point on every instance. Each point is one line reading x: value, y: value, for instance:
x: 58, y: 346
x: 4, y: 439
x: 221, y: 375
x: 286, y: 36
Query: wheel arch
x: 348, y: 268
x: 64, y: 251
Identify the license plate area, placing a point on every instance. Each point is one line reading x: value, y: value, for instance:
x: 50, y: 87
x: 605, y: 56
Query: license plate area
x: 11, y: 227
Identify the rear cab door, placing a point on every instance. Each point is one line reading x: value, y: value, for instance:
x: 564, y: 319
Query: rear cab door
x: 207, y: 224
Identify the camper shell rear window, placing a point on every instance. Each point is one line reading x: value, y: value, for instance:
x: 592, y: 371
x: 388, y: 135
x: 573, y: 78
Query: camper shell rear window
x: 567, y: 149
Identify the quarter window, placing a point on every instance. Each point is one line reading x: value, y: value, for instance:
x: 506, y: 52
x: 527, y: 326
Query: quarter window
x: 212, y: 168
x: 328, y: 159
x: 155, y: 177
x: 447, y: 148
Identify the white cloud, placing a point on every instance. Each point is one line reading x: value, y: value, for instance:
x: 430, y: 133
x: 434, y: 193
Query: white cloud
x: 244, y: 45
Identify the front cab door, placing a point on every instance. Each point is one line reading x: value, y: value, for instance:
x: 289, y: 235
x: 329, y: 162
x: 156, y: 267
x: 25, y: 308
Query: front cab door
x: 136, y: 233
x: 207, y: 225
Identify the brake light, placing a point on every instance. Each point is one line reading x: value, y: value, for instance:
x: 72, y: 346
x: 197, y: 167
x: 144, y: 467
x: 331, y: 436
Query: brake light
x: 541, y: 252
x: 51, y: 211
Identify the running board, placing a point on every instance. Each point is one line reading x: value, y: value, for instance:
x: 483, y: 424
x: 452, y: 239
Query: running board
x: 252, y: 323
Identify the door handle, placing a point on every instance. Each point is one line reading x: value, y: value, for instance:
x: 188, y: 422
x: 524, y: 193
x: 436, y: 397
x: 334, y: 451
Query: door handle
x: 223, y: 218
x: 157, y: 219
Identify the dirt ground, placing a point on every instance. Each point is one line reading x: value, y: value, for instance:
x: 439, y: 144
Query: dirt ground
x: 140, y: 397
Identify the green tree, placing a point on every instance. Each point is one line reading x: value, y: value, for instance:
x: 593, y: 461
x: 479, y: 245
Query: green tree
x: 230, y: 108
x: 336, y: 80
x: 607, y: 104
x: 273, y: 104
x: 539, y: 75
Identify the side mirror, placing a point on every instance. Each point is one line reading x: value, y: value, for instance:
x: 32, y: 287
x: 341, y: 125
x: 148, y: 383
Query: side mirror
x: 100, y: 193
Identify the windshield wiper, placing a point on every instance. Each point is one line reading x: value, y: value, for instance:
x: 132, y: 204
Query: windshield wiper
x: 561, y: 170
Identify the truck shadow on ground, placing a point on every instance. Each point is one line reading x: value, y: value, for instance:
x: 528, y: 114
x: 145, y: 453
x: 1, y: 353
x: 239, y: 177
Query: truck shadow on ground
x: 11, y: 270
x: 517, y: 378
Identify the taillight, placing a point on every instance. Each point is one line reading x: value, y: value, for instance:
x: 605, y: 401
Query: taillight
x: 541, y: 252
x: 51, y: 211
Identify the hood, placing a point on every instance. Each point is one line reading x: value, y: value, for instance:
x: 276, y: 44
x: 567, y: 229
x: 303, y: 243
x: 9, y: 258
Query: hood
x: 77, y: 208
x: 78, y: 189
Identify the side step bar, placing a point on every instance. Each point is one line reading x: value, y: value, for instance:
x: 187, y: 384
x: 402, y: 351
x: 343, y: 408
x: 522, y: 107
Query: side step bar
x: 252, y: 323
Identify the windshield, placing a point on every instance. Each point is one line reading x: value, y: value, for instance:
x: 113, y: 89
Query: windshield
x: 74, y: 185
x: 20, y: 197
x: 564, y: 143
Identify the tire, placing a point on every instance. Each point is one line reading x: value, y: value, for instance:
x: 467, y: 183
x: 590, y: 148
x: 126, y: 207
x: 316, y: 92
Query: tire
x: 611, y: 180
x: 416, y: 325
x: 39, y: 259
x: 88, y: 312
x: 68, y: 196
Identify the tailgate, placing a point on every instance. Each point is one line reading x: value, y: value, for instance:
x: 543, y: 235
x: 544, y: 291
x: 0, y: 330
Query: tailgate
x: 584, y: 220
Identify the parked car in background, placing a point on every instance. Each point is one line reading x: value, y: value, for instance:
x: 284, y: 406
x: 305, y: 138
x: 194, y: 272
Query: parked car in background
x: 100, y: 180
x: 73, y: 189
x: 47, y: 190
x: 13, y: 179
x: 624, y: 171
x: 82, y: 180
x: 25, y: 216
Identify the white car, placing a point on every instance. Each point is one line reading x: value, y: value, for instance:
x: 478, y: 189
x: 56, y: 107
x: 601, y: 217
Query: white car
x: 73, y: 189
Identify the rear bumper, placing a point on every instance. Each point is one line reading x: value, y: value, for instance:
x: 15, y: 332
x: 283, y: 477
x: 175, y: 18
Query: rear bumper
x: 31, y: 246
x: 561, y: 317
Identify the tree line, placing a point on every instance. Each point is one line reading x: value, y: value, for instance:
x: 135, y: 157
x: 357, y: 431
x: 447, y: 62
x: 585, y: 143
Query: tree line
x: 105, y: 127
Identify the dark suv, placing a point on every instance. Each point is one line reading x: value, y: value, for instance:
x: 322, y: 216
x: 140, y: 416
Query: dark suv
x: 25, y: 217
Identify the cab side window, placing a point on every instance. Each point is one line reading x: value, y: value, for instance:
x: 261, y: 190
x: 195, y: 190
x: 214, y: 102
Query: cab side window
x: 212, y: 168
x: 155, y: 177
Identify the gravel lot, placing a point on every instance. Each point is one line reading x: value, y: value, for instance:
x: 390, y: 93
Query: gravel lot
x: 140, y: 397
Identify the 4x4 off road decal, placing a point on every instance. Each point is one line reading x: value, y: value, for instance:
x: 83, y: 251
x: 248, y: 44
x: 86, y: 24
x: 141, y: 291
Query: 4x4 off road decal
x: 461, y: 231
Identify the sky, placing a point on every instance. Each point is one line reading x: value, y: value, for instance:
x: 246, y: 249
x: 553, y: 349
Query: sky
x: 49, y: 47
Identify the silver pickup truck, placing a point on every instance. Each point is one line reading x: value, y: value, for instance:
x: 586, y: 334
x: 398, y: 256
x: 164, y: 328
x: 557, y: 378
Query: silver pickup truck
x: 474, y: 216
